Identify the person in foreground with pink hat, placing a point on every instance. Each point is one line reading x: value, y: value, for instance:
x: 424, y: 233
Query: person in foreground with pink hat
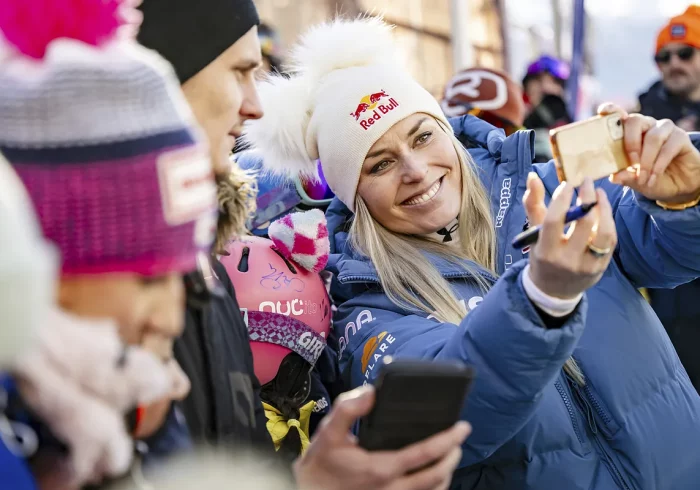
x: 98, y: 131
x: 48, y: 360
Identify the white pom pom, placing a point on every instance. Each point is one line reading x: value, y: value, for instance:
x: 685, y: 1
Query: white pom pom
x: 280, y: 136
x: 344, y: 43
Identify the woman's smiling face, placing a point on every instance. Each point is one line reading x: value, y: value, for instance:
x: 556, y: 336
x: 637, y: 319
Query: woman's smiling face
x: 411, y: 178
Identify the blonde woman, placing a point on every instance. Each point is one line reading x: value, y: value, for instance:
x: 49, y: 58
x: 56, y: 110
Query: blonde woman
x: 578, y: 386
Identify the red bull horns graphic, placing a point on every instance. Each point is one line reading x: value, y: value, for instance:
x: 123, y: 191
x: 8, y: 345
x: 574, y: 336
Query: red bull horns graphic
x: 370, y: 104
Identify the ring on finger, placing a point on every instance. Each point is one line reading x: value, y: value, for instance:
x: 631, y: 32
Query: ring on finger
x: 598, y: 253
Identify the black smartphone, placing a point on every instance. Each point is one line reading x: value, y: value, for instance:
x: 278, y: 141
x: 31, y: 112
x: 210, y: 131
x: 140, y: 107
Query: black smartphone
x: 415, y: 399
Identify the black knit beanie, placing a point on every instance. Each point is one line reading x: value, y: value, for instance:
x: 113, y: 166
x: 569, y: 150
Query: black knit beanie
x: 190, y: 34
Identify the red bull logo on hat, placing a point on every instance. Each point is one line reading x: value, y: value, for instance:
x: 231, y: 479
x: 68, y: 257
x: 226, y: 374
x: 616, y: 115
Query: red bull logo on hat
x: 369, y: 110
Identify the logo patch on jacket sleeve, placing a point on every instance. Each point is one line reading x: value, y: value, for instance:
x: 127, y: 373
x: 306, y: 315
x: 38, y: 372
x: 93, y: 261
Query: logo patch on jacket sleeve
x: 504, y: 202
x: 351, y: 328
x: 373, y: 351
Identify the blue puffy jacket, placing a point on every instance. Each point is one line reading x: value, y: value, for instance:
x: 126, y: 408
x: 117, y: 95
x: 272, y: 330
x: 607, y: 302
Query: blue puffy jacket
x: 636, y: 423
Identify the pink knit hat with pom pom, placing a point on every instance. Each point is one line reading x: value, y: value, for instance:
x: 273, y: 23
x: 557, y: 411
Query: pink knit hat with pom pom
x: 97, y: 128
x: 31, y: 25
x: 303, y: 239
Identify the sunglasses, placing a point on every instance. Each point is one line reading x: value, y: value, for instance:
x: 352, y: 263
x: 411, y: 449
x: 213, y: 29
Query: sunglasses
x: 684, y: 54
x: 497, y: 121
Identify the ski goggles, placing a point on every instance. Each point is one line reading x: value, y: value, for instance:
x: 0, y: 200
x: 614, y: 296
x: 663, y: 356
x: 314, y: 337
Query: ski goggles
x: 495, y: 120
x: 547, y: 64
x: 278, y: 197
x: 314, y: 193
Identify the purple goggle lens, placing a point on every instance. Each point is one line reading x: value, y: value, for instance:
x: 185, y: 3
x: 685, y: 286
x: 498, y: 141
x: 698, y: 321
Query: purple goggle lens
x: 547, y: 64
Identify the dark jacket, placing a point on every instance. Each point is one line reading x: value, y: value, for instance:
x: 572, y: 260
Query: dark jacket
x: 224, y: 406
x: 678, y: 309
x: 172, y: 439
x: 659, y: 104
x: 549, y: 114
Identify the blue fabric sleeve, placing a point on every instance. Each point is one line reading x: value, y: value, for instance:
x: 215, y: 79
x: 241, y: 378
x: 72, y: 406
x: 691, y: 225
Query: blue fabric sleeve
x: 172, y: 439
x: 504, y: 339
x: 656, y: 248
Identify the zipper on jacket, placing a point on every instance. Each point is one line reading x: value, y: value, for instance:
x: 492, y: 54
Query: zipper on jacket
x: 582, y: 395
x: 570, y: 408
x: 604, y: 417
x: 592, y: 407
x: 583, y: 403
x: 350, y: 279
x: 617, y: 475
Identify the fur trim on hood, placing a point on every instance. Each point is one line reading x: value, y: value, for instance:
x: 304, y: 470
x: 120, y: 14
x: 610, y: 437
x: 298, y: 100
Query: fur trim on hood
x: 236, y: 193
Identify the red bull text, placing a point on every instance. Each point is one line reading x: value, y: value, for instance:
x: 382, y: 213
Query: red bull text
x: 370, y: 104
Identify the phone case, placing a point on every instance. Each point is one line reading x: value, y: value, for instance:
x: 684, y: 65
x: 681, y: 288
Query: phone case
x: 415, y: 400
x: 591, y: 148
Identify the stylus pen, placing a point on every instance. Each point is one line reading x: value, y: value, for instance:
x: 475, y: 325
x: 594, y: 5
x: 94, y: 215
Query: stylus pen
x: 528, y: 237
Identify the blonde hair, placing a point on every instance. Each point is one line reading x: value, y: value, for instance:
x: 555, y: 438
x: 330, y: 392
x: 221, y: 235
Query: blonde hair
x: 408, y: 277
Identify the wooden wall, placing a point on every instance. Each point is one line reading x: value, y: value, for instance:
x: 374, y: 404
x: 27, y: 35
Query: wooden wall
x: 423, y: 30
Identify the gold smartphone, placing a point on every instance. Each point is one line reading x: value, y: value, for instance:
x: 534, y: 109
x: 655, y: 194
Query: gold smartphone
x: 591, y: 148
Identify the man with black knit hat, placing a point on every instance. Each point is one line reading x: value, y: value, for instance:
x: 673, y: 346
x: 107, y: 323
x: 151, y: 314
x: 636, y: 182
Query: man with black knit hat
x: 214, y: 47
x: 217, y: 77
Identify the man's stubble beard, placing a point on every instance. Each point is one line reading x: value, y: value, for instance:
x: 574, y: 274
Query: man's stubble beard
x: 690, y: 90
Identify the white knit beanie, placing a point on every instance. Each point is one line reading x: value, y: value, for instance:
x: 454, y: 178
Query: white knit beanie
x: 348, y: 89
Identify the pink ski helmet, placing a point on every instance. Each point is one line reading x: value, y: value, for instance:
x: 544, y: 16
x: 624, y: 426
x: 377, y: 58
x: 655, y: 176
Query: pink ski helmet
x: 281, y: 294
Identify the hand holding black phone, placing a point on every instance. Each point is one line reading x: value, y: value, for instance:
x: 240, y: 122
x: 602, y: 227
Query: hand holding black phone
x: 415, y: 399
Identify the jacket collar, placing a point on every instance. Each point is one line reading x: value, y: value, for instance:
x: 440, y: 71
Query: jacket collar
x: 362, y: 271
x: 349, y: 266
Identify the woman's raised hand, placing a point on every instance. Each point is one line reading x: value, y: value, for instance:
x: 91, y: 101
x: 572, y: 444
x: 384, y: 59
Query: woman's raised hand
x: 562, y: 264
x: 665, y: 164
